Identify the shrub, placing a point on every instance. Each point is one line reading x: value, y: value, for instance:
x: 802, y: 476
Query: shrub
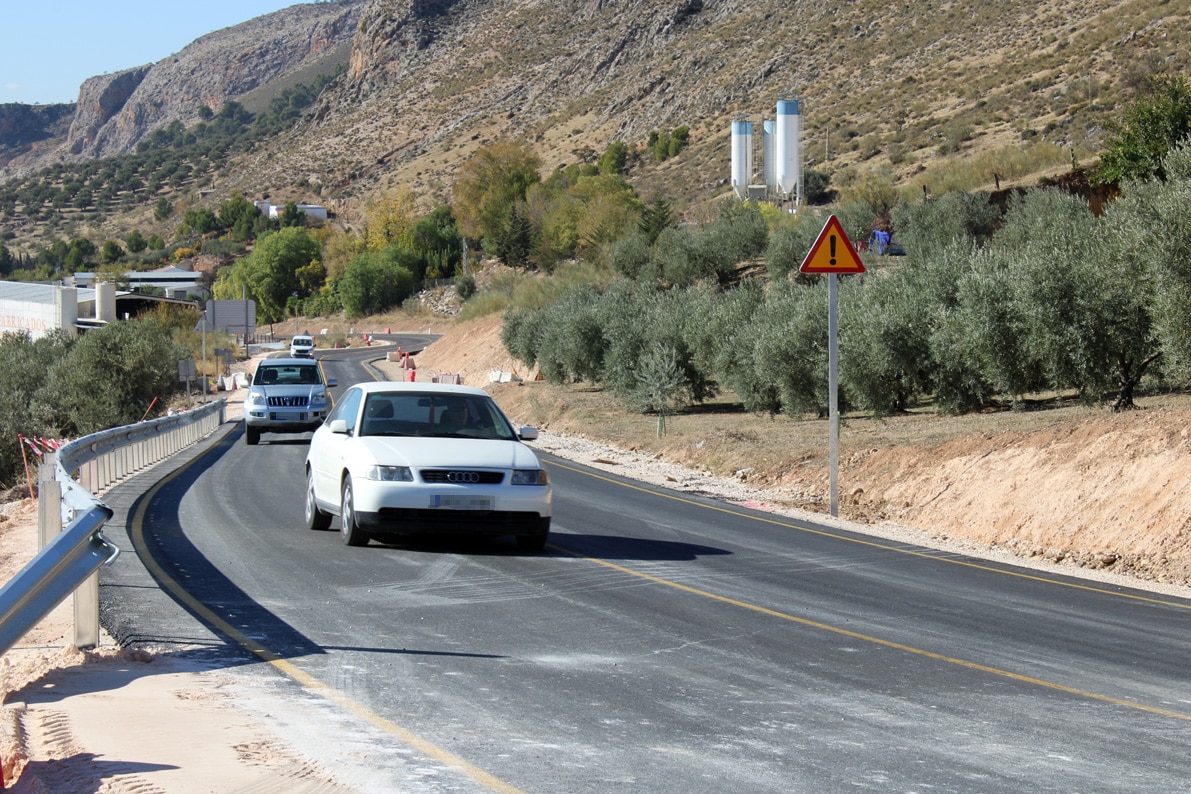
x: 376, y: 281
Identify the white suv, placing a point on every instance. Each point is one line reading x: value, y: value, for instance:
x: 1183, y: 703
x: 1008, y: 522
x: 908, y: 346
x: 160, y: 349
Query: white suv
x: 302, y: 346
x: 287, y: 395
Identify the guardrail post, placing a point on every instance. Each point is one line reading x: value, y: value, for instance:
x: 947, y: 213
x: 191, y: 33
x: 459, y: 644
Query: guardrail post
x: 49, y: 502
x: 86, y: 613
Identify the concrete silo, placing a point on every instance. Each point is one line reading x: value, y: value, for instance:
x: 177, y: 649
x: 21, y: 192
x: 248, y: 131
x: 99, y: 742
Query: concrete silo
x: 788, y: 149
x: 742, y: 156
x: 767, y: 142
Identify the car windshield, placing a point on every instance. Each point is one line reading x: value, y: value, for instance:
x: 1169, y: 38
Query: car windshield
x: 287, y: 374
x: 434, y: 415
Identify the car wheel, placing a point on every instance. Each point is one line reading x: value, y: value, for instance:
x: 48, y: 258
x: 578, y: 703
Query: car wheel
x: 348, y: 528
x: 315, y: 518
x: 536, y: 541
x: 251, y: 435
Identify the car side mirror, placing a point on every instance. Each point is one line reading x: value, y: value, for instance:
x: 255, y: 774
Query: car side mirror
x: 332, y: 383
x: 528, y: 433
x: 338, y: 426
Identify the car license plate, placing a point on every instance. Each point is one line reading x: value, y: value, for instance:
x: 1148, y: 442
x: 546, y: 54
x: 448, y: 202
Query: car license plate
x: 453, y: 502
x: 287, y: 416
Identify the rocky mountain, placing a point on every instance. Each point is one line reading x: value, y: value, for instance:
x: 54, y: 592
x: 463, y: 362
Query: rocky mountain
x: 115, y: 111
x: 898, y: 87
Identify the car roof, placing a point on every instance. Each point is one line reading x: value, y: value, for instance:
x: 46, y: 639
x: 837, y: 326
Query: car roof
x: 305, y: 362
x: 397, y: 386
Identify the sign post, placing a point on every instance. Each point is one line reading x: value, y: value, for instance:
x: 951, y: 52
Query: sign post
x: 832, y: 254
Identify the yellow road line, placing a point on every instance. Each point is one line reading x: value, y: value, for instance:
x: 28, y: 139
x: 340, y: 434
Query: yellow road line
x: 877, y: 640
x: 427, y: 748
x: 847, y: 632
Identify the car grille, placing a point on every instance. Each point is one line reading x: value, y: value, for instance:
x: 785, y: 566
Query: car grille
x: 297, y: 401
x: 462, y: 476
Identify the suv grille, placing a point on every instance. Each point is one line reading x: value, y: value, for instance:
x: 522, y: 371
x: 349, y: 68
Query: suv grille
x: 297, y: 401
x: 462, y: 477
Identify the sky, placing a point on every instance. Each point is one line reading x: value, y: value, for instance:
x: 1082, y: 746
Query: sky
x: 49, y: 47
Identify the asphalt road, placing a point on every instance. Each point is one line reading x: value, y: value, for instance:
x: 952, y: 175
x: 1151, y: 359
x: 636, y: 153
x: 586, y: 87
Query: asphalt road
x: 661, y: 643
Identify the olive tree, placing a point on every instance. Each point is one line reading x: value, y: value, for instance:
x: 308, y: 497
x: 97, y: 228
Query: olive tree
x: 923, y: 226
x: 733, y: 326
x: 790, y: 347
x: 1085, y: 301
x: 110, y: 377
x: 1150, y: 224
x: 885, y: 330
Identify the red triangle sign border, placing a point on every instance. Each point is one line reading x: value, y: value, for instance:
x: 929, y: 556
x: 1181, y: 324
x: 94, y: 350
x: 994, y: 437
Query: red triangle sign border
x: 840, y: 259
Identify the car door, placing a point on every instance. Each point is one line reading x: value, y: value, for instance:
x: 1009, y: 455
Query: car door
x: 327, y: 449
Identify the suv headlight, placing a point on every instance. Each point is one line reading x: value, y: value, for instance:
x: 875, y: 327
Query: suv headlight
x: 256, y: 398
x: 528, y: 477
x: 389, y: 474
x: 319, y: 400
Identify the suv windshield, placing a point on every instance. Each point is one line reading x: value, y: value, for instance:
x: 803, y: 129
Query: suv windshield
x: 287, y: 374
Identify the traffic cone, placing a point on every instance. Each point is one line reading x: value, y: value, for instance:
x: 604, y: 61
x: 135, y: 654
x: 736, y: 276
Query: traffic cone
x: 410, y: 375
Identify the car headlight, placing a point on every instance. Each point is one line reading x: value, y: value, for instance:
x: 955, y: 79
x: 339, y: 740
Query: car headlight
x: 528, y: 477
x: 256, y: 399
x: 319, y: 400
x: 389, y: 474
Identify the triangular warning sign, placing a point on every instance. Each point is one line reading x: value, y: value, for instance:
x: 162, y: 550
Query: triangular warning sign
x: 832, y: 252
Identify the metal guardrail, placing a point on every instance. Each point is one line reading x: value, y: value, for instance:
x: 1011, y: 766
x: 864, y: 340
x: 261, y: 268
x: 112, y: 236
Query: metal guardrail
x: 57, y: 570
x: 69, y: 559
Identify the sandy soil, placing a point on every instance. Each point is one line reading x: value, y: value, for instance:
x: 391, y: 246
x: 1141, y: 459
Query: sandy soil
x: 1085, y: 492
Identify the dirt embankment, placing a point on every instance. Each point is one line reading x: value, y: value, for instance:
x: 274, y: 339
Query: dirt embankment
x: 1070, y: 484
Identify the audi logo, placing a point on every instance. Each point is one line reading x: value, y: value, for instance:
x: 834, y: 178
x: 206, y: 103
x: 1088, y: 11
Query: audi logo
x: 463, y: 476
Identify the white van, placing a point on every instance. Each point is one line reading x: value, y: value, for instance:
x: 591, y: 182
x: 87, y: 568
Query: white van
x: 302, y: 346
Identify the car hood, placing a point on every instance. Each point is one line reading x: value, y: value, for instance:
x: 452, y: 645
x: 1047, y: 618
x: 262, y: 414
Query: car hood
x: 288, y: 390
x: 450, y: 452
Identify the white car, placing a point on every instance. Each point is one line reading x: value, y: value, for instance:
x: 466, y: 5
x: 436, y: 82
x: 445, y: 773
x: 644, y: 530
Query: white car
x: 425, y: 459
x: 301, y: 346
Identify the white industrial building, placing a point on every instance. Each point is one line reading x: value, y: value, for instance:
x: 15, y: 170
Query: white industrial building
x: 41, y: 308
x: 780, y: 176
x: 273, y: 211
x: 38, y: 308
x: 174, y: 282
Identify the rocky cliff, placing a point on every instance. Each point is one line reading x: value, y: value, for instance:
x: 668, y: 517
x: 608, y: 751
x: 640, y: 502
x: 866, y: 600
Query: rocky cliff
x: 100, y: 99
x: 115, y: 111
x: 28, y: 128
x: 224, y: 65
